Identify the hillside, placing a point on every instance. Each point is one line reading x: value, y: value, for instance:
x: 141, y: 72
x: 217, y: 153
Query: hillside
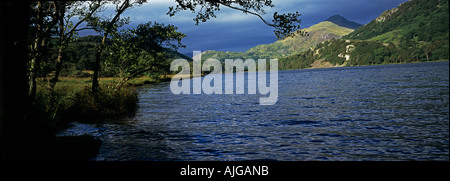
x: 318, y: 33
x: 415, y: 31
x: 420, y: 20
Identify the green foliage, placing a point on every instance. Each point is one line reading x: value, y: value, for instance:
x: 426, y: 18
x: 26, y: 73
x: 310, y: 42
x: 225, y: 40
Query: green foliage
x: 422, y: 19
x: 298, y: 61
x: 418, y: 26
x: 134, y: 52
x: 287, y: 25
x: 416, y: 31
x: 80, y: 56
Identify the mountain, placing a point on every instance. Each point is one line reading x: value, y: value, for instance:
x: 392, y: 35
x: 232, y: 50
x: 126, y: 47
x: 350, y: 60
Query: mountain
x: 425, y: 20
x: 415, y: 31
x: 317, y: 33
x: 341, y: 21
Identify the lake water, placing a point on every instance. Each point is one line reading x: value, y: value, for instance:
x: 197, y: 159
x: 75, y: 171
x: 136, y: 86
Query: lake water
x: 384, y: 112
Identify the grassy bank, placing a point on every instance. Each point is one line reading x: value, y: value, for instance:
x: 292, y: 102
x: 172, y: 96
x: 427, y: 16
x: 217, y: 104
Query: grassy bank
x: 73, y: 100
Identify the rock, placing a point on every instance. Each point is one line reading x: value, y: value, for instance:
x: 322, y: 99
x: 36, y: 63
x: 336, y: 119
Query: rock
x: 75, y: 148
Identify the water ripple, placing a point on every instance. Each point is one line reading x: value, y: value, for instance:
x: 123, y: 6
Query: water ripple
x: 387, y: 112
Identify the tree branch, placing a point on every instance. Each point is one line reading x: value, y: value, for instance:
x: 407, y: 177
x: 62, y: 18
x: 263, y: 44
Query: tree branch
x: 247, y: 11
x: 97, y: 5
x: 85, y: 28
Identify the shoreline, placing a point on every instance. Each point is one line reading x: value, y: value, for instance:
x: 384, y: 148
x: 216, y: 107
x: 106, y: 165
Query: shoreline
x: 340, y: 66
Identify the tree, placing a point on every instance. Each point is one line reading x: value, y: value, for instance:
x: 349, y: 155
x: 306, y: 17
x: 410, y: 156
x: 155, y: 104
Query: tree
x: 65, y: 11
x: 107, y: 26
x: 284, y: 24
x: 379, y: 55
x: 24, y: 44
x: 15, y: 103
x: 136, y: 51
x: 44, y: 17
x: 53, y: 19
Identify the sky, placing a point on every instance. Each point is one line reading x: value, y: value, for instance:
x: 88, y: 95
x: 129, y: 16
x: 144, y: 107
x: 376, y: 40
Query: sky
x: 233, y: 30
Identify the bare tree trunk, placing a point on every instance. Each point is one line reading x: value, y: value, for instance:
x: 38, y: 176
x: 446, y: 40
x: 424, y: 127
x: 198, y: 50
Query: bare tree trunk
x: 40, y: 45
x: 125, y: 5
x: 35, y: 61
x: 32, y: 78
x: 60, y: 11
x: 64, y: 37
x: 121, y: 82
x: 95, y: 84
x: 59, y: 61
x: 35, y: 64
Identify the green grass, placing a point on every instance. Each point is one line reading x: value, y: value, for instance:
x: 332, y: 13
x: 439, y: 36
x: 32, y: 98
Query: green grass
x: 331, y: 27
x: 73, y: 100
x: 392, y: 36
x: 109, y: 102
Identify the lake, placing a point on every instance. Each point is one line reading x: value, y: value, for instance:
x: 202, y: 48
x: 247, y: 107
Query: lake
x: 383, y: 112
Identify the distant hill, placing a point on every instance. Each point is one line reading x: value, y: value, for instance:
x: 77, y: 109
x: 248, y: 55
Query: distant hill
x: 415, y: 31
x: 341, y: 21
x: 317, y: 33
